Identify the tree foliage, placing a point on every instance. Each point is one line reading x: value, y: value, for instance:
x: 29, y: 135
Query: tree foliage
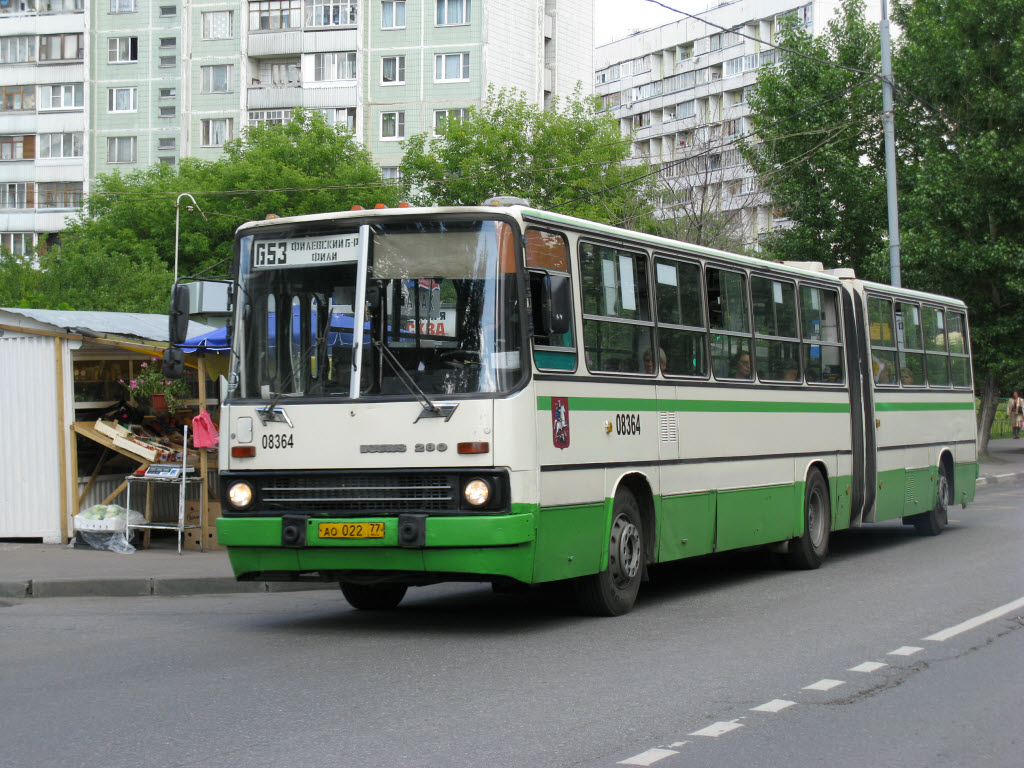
x: 125, y: 233
x: 568, y: 158
x: 815, y: 114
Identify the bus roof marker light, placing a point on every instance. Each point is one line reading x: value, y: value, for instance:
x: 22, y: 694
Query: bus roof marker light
x: 378, y: 206
x: 356, y: 208
x: 475, y: 447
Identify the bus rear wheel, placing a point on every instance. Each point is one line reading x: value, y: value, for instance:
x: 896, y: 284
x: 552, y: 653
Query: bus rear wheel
x: 373, y: 597
x: 932, y: 522
x: 808, y: 550
x: 613, y: 591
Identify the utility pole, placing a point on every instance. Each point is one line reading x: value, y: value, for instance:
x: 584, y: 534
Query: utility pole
x: 889, y: 132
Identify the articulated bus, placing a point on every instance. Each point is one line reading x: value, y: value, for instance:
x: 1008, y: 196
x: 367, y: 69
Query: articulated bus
x: 509, y: 395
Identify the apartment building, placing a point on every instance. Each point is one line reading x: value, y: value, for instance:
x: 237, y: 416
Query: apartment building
x: 681, y: 90
x: 43, y: 118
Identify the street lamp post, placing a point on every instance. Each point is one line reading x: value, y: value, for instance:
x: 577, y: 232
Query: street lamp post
x: 177, y: 218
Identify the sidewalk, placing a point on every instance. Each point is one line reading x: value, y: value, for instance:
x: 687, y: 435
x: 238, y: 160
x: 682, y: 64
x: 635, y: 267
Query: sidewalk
x: 55, y: 570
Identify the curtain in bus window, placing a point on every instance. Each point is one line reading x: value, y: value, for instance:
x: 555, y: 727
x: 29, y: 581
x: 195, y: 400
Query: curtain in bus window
x: 883, y: 340
x: 819, y: 329
x: 680, y: 315
x: 908, y: 336
x: 959, y: 359
x: 774, y: 305
x: 614, y: 290
x: 727, y: 312
x: 935, y: 347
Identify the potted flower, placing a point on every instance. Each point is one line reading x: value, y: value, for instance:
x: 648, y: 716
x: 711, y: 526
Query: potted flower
x: 151, y: 386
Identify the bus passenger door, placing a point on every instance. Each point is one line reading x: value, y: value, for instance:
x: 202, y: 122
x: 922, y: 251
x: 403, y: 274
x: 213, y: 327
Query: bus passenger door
x: 862, y: 409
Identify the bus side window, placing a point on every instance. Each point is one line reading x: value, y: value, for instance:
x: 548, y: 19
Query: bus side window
x: 682, y: 332
x: 883, y: 341
x: 819, y: 330
x: 778, y: 350
x: 935, y: 347
x: 614, y: 289
x: 731, y: 355
x: 547, y: 253
x: 908, y: 327
x: 959, y: 357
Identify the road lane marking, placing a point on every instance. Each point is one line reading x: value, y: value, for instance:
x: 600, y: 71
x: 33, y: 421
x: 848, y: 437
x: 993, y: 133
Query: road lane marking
x: 650, y: 757
x: 718, y: 729
x: 977, y: 621
x: 868, y: 666
x: 905, y: 650
x: 675, y: 744
x: 824, y: 685
x: 775, y: 705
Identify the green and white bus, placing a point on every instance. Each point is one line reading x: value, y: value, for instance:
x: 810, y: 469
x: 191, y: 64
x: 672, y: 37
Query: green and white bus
x: 509, y: 395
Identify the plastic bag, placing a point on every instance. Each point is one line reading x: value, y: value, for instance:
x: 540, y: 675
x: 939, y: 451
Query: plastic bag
x: 204, y: 431
x: 104, y: 526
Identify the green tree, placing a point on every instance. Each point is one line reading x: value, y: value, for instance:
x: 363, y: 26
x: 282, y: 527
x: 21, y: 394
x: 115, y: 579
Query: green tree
x: 127, y: 224
x: 569, y: 158
x: 960, y: 67
x: 818, y: 146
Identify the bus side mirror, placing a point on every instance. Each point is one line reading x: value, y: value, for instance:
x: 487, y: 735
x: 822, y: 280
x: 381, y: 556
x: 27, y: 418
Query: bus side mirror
x: 174, y: 363
x: 555, y: 305
x: 178, y: 325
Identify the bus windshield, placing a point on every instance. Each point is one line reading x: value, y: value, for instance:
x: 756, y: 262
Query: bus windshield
x: 441, y: 315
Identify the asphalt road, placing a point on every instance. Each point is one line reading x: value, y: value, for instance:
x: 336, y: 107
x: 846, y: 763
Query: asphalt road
x: 725, y: 662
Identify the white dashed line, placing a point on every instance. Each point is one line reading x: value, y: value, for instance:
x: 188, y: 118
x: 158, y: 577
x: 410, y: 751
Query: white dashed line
x: 977, y: 621
x: 824, y: 685
x: 650, y: 757
x: 906, y: 650
x: 717, y: 729
x: 868, y: 666
x: 775, y: 705
x: 675, y: 744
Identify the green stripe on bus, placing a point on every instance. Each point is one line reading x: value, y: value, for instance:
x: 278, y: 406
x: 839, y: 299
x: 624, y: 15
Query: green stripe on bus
x: 966, y: 406
x: 693, y: 406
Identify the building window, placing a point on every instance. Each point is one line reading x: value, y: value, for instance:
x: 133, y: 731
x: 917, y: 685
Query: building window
x: 60, y: 47
x: 216, y: 78
x: 392, y: 125
x: 345, y: 117
x: 452, y: 12
x: 334, y: 66
x: 167, y: 143
x: 17, y: 50
x: 123, y: 99
x: 451, y: 67
x: 168, y: 111
x: 171, y: 161
x: 59, y: 145
x: 332, y: 13
x: 286, y: 73
x: 218, y: 25
x: 275, y: 14
x: 59, y: 194
x: 217, y: 132
x: 269, y: 117
x: 123, y: 6
x: 168, y: 93
x: 442, y: 116
x: 392, y: 70
x: 122, y: 50
x: 392, y: 14
x: 167, y: 11
x: 17, y: 243
x: 168, y: 61
x: 17, y: 97
x: 17, y: 147
x: 122, y: 149
x: 168, y: 42
x: 16, y: 194
x: 390, y: 172
x: 65, y: 96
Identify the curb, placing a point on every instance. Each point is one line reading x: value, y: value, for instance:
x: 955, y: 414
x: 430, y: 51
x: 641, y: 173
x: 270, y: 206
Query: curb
x: 142, y: 587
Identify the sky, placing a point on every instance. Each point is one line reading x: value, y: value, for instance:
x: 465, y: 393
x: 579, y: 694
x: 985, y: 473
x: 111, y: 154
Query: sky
x: 615, y: 19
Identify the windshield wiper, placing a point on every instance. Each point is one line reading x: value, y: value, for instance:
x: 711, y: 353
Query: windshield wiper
x: 405, y: 378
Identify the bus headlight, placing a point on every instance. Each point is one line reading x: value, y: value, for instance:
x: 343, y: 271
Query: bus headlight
x: 240, y: 495
x: 477, y: 492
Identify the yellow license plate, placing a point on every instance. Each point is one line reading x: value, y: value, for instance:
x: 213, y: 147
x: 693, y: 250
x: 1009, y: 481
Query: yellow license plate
x: 350, y: 530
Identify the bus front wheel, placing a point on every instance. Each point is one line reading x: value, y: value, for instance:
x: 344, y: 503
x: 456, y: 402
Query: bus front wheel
x: 808, y: 550
x: 613, y: 591
x: 373, y: 597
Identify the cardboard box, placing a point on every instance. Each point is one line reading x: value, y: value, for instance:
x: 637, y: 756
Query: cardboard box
x: 193, y: 539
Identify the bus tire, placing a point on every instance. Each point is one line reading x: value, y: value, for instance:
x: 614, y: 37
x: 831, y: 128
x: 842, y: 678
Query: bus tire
x: 931, y: 523
x: 613, y: 591
x: 807, y: 551
x: 373, y: 597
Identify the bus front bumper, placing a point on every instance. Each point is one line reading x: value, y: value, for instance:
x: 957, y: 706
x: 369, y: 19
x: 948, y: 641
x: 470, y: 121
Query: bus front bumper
x: 486, y: 545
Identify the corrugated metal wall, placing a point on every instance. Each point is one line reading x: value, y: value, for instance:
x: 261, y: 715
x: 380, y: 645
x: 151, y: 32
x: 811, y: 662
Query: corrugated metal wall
x: 30, y: 463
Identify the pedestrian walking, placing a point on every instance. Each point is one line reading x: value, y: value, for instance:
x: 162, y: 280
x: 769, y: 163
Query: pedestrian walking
x: 1015, y: 413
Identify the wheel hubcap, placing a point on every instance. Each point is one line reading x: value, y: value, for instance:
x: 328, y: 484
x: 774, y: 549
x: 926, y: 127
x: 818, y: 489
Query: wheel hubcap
x: 624, y: 550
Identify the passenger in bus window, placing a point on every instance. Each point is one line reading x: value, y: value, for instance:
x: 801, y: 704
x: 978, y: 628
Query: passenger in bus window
x: 740, y: 368
x: 790, y: 370
x: 907, y: 377
x: 649, y: 360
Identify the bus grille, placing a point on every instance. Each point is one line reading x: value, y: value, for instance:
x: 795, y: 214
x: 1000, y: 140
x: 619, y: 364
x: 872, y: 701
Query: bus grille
x: 360, y: 493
